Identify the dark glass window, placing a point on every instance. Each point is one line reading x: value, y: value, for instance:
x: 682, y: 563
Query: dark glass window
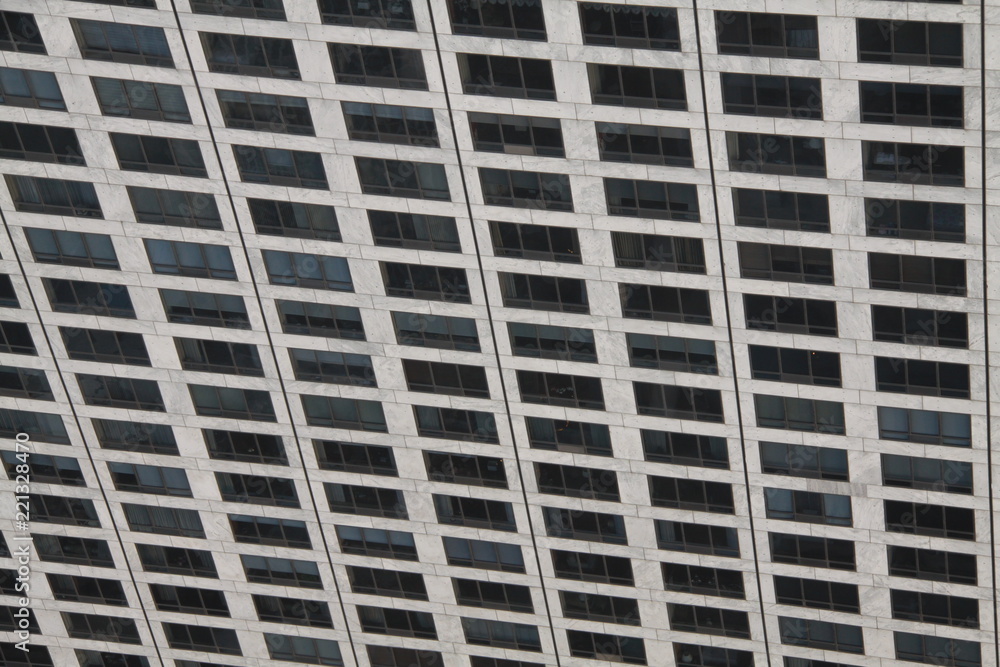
x: 505, y: 76
x: 777, y: 209
x: 73, y: 550
x: 51, y: 196
x: 174, y: 207
x: 567, y: 295
x: 381, y: 66
x: 531, y: 241
x: 186, y: 600
x: 518, y: 135
x: 156, y: 480
x: 923, y: 378
x: 933, y: 474
x: 691, y: 494
x: 31, y: 89
x: 812, y: 551
x: 910, y: 43
x: 822, y: 635
x: 630, y: 26
x: 387, y: 14
x: 246, y: 447
x: 308, y: 270
x: 697, y: 538
x: 803, y: 366
x: 347, y: 413
x: 144, y: 100
x: 932, y: 565
x: 450, y: 424
x: 44, y: 468
x: 942, y: 651
x: 501, y: 634
x: 414, y: 231
x: 917, y: 220
x: 437, y: 377
x: 358, y: 458
x: 195, y: 260
x: 674, y: 402
x: 713, y: 656
x: 292, y: 219
x: 665, y: 304
x: 767, y: 35
x: 417, y: 281
x: 645, y: 144
x: 15, y: 338
x: 465, y: 469
x: 493, y: 595
x: 774, y: 96
x: 808, y: 506
x: 377, y: 543
x: 658, y: 253
x: 159, y: 155
x: 86, y: 589
x: 402, y: 178
x: 703, y: 580
x: 19, y: 32
x: 483, y: 555
x: 592, y: 567
x: 332, y: 367
x: 688, y: 449
x: 510, y: 19
x: 163, y: 520
x: 643, y: 87
x: 799, y: 414
x: 577, y: 482
x: 526, y: 189
x: 51, y: 246
x: 78, y: 296
x: 604, y: 647
x: 552, y: 342
x: 388, y: 583
x: 257, y: 489
x: 569, y: 436
x: 956, y: 523
x: 122, y: 43
x: 587, y: 526
x: 110, y: 629
x: 40, y: 143
x: 281, y: 571
x: 250, y: 56
x: 278, y: 166
x: 708, y: 620
x: 652, y: 199
x: 320, y: 319
x: 135, y: 437
x: 264, y: 530
x: 778, y: 154
x: 265, y: 113
x: 205, y: 309
x: 914, y: 273
x: 202, y: 638
x: 573, y: 391
x: 915, y: 164
x: 436, y: 331
x: 390, y: 124
x: 120, y: 392
x: 600, y: 608
x: 232, y: 403
x: 475, y: 513
x: 780, y: 458
x: 925, y: 426
x: 265, y: 10
x: 912, y: 104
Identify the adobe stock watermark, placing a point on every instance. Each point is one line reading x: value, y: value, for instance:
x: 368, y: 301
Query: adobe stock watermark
x: 22, y: 551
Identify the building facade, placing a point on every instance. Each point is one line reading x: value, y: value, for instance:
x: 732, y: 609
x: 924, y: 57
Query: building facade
x: 499, y: 333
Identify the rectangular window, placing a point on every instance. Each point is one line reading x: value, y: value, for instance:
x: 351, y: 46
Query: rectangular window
x: 135, y: 437
x: 465, y: 469
x: 687, y: 449
x: 910, y: 43
x: 332, y: 367
x: 15, y: 338
x: 777, y: 209
x: 808, y: 507
x: 923, y: 378
x: 245, y: 447
x: 654, y: 252
x: 913, y: 164
x: 956, y: 523
x: 708, y: 620
x: 917, y: 220
x: 28, y: 383
x: 232, y: 403
x: 381, y: 66
x: 604, y: 647
x: 781, y: 155
x: 645, y: 144
x: 517, y: 135
x: 925, y: 426
x: 665, y: 304
x: 920, y: 326
x: 175, y: 560
x: 600, y: 608
x: 691, y: 494
x: 414, y: 231
x: 143, y: 100
x: 802, y: 366
x: 780, y: 458
x: 30, y: 89
x: 790, y: 315
x: 356, y: 458
x: 156, y: 480
x: 40, y: 143
x: 92, y: 626
x: 713, y: 656
x: 387, y: 583
x: 550, y: 342
x: 697, y: 538
x: 436, y: 331
x: 120, y: 392
x: 205, y: 309
x: 652, y: 199
x: 587, y: 526
x: 501, y: 634
x: 320, y: 319
x: 493, y: 595
x: 630, y: 26
x: 507, y: 19
x: 592, y: 567
x: 308, y: 270
x: 45, y: 469
x: 194, y: 260
x: 73, y: 550
x: 932, y: 474
x: 531, y: 241
x: 72, y: 248
x: 772, y: 96
x: 799, y: 414
x: 703, y: 580
x: 821, y: 635
x: 390, y: 124
x: 250, y: 55
x: 418, y: 281
x: 376, y: 543
x: 505, y: 76
x: 52, y: 196
x: 163, y: 520
x: 638, y: 87
x: 767, y: 35
x: 526, y: 189
x: 436, y: 377
x: 475, y: 513
x: 202, y: 638
x: 265, y: 113
x: 912, y: 104
x: 309, y: 613
x: 577, y: 482
x: 397, y: 622
x: 402, y: 178
x: 347, y: 413
x: 942, y: 651
x: 674, y: 402
x: 394, y: 656
x: 19, y: 32
x: 158, y: 155
x: 384, y: 14
x: 934, y: 608
x: 122, y: 43
x: 174, y: 207
x: 568, y: 436
x: 567, y: 295
x: 278, y: 166
x: 185, y: 600
x: 265, y: 10
x: 276, y: 532
x: 257, y: 489
x: 500, y: 556
x: 450, y: 424
x: 573, y: 391
x: 932, y: 565
x: 295, y: 220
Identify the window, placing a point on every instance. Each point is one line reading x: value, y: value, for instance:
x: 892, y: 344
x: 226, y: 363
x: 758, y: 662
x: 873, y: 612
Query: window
x: 526, y: 189
x: 307, y: 270
x: 176, y: 560
x: 397, y: 622
x: 642, y: 87
x: 388, y: 583
x: 475, y: 512
x: 799, y: 414
x: 295, y: 220
x: 278, y: 166
x: 674, y: 402
x: 933, y: 474
x: 658, y: 253
x: 276, y: 532
x: 8, y: 296
x: 588, y: 526
x: 73, y: 550
x: 645, y: 144
x: 577, y: 482
x: 310, y: 613
x: 265, y: 113
x: 25, y: 383
x: 122, y: 393
x: 812, y: 551
x: 347, y: 413
x: 232, y: 403
x: 434, y: 377
x: 920, y: 326
x: 689, y: 449
x: 610, y: 648
x: 500, y: 634
x: 19, y: 32
x: 163, y: 520
x: 931, y: 565
x: 652, y: 199
x: 144, y: 100
x: 957, y: 523
x: 320, y: 319
x: 305, y: 650
x: 150, y: 479
x: 414, y: 231
x: 911, y: 104
x: 600, y: 608
x: 918, y: 220
x: 531, y: 241
x: 785, y: 364
x: 910, y: 43
x: 52, y: 196
x: 135, y: 437
x: 774, y: 96
x: 567, y: 295
x: 790, y: 315
x: 436, y: 331
x: 574, y: 391
x: 390, y: 124
x: 568, y: 436
x: 777, y: 209
x: 504, y: 76
x: 246, y: 447
x: 482, y: 555
x: 392, y: 656
x: 665, y: 304
x: 385, y: 67
x: 332, y: 367
x: 376, y: 543
x: 924, y: 378
x: 46, y: 469
x: 466, y: 469
x: 216, y: 356
x: 101, y: 628
x: 466, y: 425
x: 40, y: 143
x: 90, y: 658
x: 174, y: 207
x: 630, y: 26
x: 30, y: 88
x: 592, y: 567
x: 265, y: 10
x: 122, y: 43
x: 549, y: 342
x: 708, y: 620
x: 821, y: 635
x: 202, y: 638
x: 687, y: 355
x: 767, y: 35
x: 355, y: 457
x: 42, y: 427
x: 780, y: 458
x: 508, y: 19
x: 518, y: 135
x: 195, y: 260
x: 934, y: 608
x: 205, y: 309
x: 817, y: 594
x: 158, y: 155
x: 703, y: 580
x: 250, y: 56
x: 400, y: 178
x: 366, y: 500
x: 493, y: 595
x: 691, y: 494
x: 387, y: 14
x: 937, y: 650
x: 15, y: 338
x: 777, y: 154
x: 915, y: 164
x: 925, y: 426
x: 257, y: 489
x: 713, y: 656
x: 186, y: 600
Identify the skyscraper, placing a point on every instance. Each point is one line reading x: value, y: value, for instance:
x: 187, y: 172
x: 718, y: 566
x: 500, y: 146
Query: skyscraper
x: 498, y: 333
